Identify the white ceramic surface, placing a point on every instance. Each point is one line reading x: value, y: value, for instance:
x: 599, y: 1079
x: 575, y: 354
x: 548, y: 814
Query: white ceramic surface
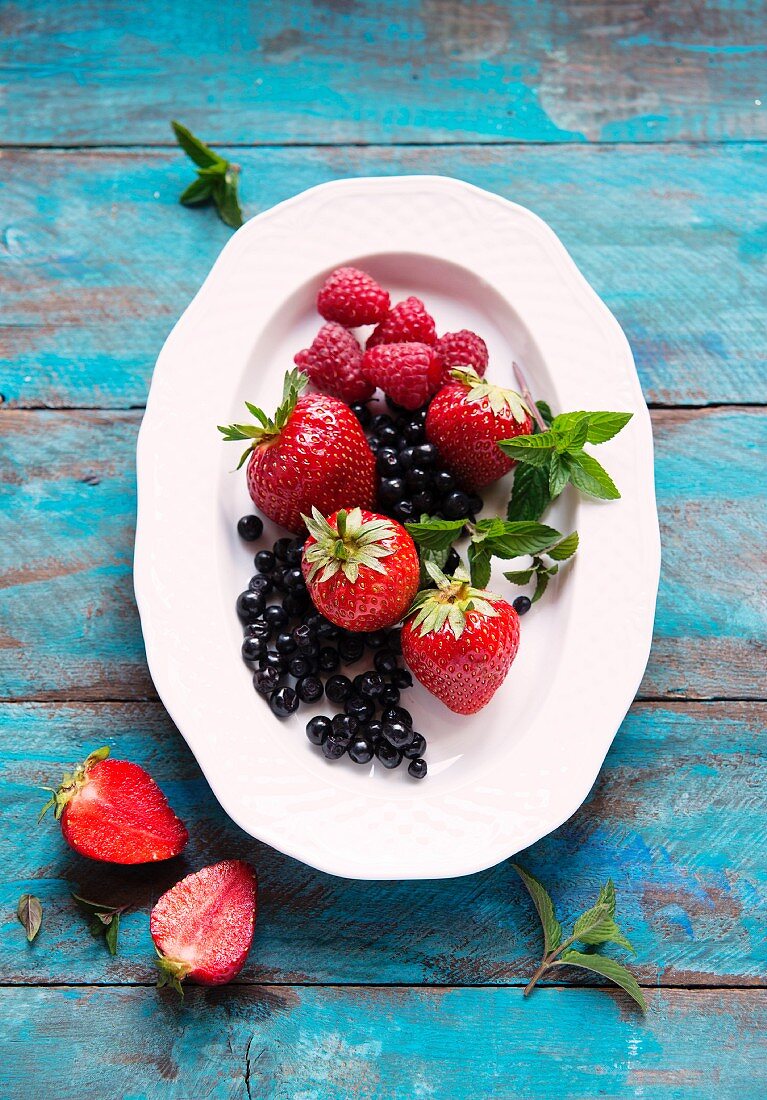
x: 501, y: 779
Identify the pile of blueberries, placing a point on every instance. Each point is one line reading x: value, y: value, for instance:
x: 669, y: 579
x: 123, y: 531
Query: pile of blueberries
x: 412, y: 479
x: 292, y: 648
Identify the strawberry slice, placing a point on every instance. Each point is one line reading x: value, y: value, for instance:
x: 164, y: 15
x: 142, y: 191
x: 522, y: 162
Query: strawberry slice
x: 113, y: 811
x: 203, y: 926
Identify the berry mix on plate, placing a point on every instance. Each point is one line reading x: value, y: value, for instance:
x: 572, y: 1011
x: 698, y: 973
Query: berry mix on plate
x: 376, y: 500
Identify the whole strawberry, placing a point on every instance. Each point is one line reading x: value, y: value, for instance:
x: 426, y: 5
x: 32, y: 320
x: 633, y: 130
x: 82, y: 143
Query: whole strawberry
x: 352, y: 298
x: 203, y: 926
x: 361, y: 569
x: 313, y: 452
x: 407, y: 373
x: 465, y: 421
x: 113, y: 811
x: 460, y: 641
x: 462, y: 349
x: 407, y: 322
x: 334, y: 364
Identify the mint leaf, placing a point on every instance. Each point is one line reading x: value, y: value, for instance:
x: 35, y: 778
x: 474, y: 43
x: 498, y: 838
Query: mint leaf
x: 198, y: 191
x: 435, y: 534
x: 607, y: 897
x: 520, y: 576
x: 226, y: 199
x: 565, y: 548
x: 591, y: 478
x: 559, y: 475
x: 541, y: 584
x: 509, y: 539
x: 600, y: 426
x: 608, y: 968
x: 435, y: 557
x: 30, y: 914
x: 545, y: 410
x: 552, y: 929
x: 532, y: 449
x: 196, y: 150
x: 104, y: 920
x: 607, y: 931
x: 479, y: 564
x: 530, y: 494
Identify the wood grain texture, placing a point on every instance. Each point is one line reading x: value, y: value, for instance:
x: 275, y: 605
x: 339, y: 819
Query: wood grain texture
x: 97, y: 259
x: 675, y: 818
x: 366, y: 1044
x: 405, y: 70
x: 70, y: 627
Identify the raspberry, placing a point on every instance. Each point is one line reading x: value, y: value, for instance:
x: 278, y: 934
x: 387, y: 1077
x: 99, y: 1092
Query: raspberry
x: 334, y: 364
x: 408, y: 322
x: 352, y: 298
x: 462, y: 349
x: 408, y: 373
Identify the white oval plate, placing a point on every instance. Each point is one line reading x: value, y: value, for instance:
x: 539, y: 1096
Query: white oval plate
x: 503, y: 778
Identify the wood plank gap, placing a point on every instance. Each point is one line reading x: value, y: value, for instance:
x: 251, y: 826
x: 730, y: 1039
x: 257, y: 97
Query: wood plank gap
x: 491, y: 143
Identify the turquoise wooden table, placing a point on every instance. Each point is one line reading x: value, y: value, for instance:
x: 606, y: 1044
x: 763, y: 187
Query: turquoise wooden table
x: 638, y: 131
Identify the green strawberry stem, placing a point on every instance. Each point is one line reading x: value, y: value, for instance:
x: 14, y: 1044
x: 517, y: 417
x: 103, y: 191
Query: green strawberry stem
x: 499, y: 399
x: 268, y: 428
x: 546, y: 962
x: 352, y: 543
x: 449, y: 603
x: 71, y: 784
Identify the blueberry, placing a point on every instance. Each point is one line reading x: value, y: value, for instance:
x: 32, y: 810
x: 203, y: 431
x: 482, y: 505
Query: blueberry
x: 260, y: 583
x: 388, y: 755
x: 345, y: 726
x: 382, y: 420
x: 391, y: 489
x: 361, y: 750
x: 522, y: 605
x: 401, y: 678
x: 389, y: 697
x: 417, y: 768
x: 303, y: 636
x: 253, y: 649
x: 284, y: 701
x: 407, y: 457
x: 276, y: 616
x: 296, y: 603
x: 362, y: 412
x: 425, y: 454
x: 389, y: 435
x: 314, y: 619
x: 476, y: 503
x: 338, y: 689
x: 281, y: 547
x: 398, y: 734
x: 328, y: 631
x: 351, y: 647
x: 265, y: 561
x: 300, y: 665
x: 423, y: 501
x: 278, y: 576
x: 334, y: 747
x: 374, y: 445
x: 404, y: 510
x: 329, y: 659
x: 397, y: 714
x: 417, y: 746
x: 374, y: 731
x: 294, y: 578
x: 371, y: 685
x: 452, y: 562
x: 376, y: 638
x: 394, y: 640
x: 385, y: 661
x: 295, y: 554
x: 265, y: 680
x: 360, y: 708
x: 388, y: 462
x: 444, y: 482
x: 309, y: 688
x: 285, y: 642
x: 318, y: 728
x: 455, y: 505
x: 250, y: 528
x: 413, y: 432
x: 249, y: 606
x: 273, y: 659
x: 418, y: 478
x: 258, y: 629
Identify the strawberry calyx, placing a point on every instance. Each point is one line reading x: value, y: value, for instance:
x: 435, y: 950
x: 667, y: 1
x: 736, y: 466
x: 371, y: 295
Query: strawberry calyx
x: 498, y: 398
x: 345, y: 547
x: 171, y: 972
x: 449, y: 602
x: 71, y: 783
x: 268, y: 428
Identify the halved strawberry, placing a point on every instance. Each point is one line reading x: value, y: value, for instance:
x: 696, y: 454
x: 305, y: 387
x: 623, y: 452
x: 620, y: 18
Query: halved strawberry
x: 203, y: 926
x: 113, y: 811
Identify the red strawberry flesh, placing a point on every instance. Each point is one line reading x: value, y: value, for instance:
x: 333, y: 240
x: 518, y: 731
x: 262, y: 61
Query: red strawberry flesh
x: 204, y: 924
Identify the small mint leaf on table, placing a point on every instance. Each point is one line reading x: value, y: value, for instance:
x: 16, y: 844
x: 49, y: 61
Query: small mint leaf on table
x: 552, y: 929
x: 30, y: 914
x: 202, y: 155
x: 608, y: 968
x: 198, y: 191
x: 104, y: 920
x: 217, y: 178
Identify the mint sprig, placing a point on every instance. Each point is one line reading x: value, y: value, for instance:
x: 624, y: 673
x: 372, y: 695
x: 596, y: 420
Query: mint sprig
x: 104, y: 920
x: 594, y: 927
x: 542, y: 570
x: 217, y: 178
x: 549, y: 460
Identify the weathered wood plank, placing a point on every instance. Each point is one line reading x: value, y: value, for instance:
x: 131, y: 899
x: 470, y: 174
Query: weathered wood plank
x: 330, y: 70
x: 372, y: 1043
x: 99, y: 259
x: 675, y: 818
x: 70, y: 628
